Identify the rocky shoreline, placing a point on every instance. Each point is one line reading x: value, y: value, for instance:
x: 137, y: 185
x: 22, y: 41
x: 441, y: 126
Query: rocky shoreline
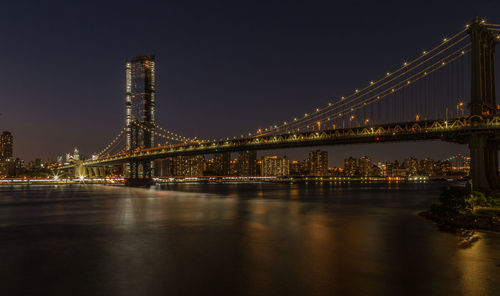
x: 475, y: 222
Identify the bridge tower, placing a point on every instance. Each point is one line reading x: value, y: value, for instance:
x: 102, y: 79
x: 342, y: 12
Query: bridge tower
x: 483, y: 148
x: 140, y: 110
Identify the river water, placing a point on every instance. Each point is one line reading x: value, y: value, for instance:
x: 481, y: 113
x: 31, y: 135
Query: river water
x: 237, y: 239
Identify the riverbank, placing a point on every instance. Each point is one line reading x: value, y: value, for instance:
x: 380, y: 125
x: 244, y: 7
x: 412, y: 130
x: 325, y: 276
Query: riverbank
x: 467, y: 221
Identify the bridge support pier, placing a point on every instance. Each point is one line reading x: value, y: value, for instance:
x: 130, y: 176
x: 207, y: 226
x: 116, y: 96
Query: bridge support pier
x: 139, y: 173
x: 483, y: 151
x: 484, y: 162
x: 477, y: 146
x: 80, y: 170
x: 491, y: 155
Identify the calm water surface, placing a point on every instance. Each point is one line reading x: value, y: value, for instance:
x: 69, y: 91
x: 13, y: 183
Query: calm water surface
x: 247, y: 239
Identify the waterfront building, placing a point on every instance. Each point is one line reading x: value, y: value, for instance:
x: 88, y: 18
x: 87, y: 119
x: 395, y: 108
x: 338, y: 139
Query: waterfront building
x: 6, y: 143
x: 365, y: 166
x: 189, y: 165
x: 412, y: 165
x: 247, y: 163
x: 221, y: 163
x: 299, y: 168
x: 164, y: 167
x: 19, y: 163
x: 274, y: 166
x: 336, y: 172
x: 426, y: 167
x: 233, y: 167
x: 318, y: 163
x: 400, y: 172
x: 350, y: 167
x: 388, y: 169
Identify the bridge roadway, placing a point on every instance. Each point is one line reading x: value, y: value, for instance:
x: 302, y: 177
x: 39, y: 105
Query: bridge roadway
x: 455, y: 130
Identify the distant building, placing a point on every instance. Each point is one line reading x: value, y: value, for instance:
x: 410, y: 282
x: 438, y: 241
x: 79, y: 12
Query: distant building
x: 164, y: 167
x: 6, y: 143
x: 8, y: 167
x: 247, y: 163
x: 299, y: 168
x: 334, y: 171
x: 394, y: 169
x: 274, y: 166
x: 411, y: 164
x: 233, y: 167
x: 400, y: 172
x: 19, y: 163
x: 318, y: 163
x: 221, y: 163
x: 426, y: 167
x: 350, y: 167
x: 189, y: 165
x: 365, y: 166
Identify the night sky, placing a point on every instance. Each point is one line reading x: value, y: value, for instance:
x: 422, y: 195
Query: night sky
x: 223, y: 67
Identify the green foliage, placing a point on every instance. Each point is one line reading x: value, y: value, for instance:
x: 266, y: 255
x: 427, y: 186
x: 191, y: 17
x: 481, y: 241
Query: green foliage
x: 458, y: 201
x: 479, y: 199
x: 454, y: 200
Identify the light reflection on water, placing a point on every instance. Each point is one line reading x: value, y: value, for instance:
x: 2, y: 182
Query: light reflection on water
x: 247, y: 239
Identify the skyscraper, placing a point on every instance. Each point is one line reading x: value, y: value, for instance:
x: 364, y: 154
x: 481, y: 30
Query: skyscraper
x: 140, y: 101
x: 140, y: 111
x: 318, y: 163
x: 6, y: 141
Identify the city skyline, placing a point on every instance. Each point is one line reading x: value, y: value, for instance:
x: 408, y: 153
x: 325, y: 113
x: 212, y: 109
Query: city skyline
x: 94, y: 109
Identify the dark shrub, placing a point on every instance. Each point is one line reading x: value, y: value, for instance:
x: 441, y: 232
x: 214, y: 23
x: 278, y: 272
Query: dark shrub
x: 456, y: 200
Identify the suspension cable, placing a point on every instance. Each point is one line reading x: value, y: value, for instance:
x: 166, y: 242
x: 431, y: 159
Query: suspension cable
x: 358, y: 93
x: 363, y: 104
x: 111, y: 143
x: 314, y: 117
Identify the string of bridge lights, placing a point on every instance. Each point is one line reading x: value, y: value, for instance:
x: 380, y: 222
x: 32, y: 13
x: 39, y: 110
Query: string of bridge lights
x: 436, y: 66
x: 493, y: 27
x: 374, y: 99
x: 392, y: 89
x: 333, y: 107
x: 195, y: 139
x: 111, y: 143
x: 357, y: 92
x: 152, y: 130
x: 360, y: 105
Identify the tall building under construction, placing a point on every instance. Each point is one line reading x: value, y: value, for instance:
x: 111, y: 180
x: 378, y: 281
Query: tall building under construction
x: 140, y: 102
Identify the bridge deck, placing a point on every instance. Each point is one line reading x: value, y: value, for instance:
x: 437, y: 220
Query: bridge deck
x: 456, y: 130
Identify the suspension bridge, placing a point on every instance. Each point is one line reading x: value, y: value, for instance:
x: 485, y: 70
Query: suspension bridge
x: 446, y: 93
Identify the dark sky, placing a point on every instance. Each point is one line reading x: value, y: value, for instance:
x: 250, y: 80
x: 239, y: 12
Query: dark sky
x: 223, y: 67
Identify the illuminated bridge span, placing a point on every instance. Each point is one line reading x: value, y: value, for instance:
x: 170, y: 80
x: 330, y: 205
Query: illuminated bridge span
x: 454, y: 130
x: 446, y: 93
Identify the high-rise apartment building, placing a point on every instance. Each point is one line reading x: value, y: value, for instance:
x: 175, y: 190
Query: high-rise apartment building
x: 247, y: 163
x: 274, y: 166
x: 318, y: 163
x: 221, y: 163
x: 189, y: 165
x: 365, y: 166
x: 350, y: 167
x: 6, y: 143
